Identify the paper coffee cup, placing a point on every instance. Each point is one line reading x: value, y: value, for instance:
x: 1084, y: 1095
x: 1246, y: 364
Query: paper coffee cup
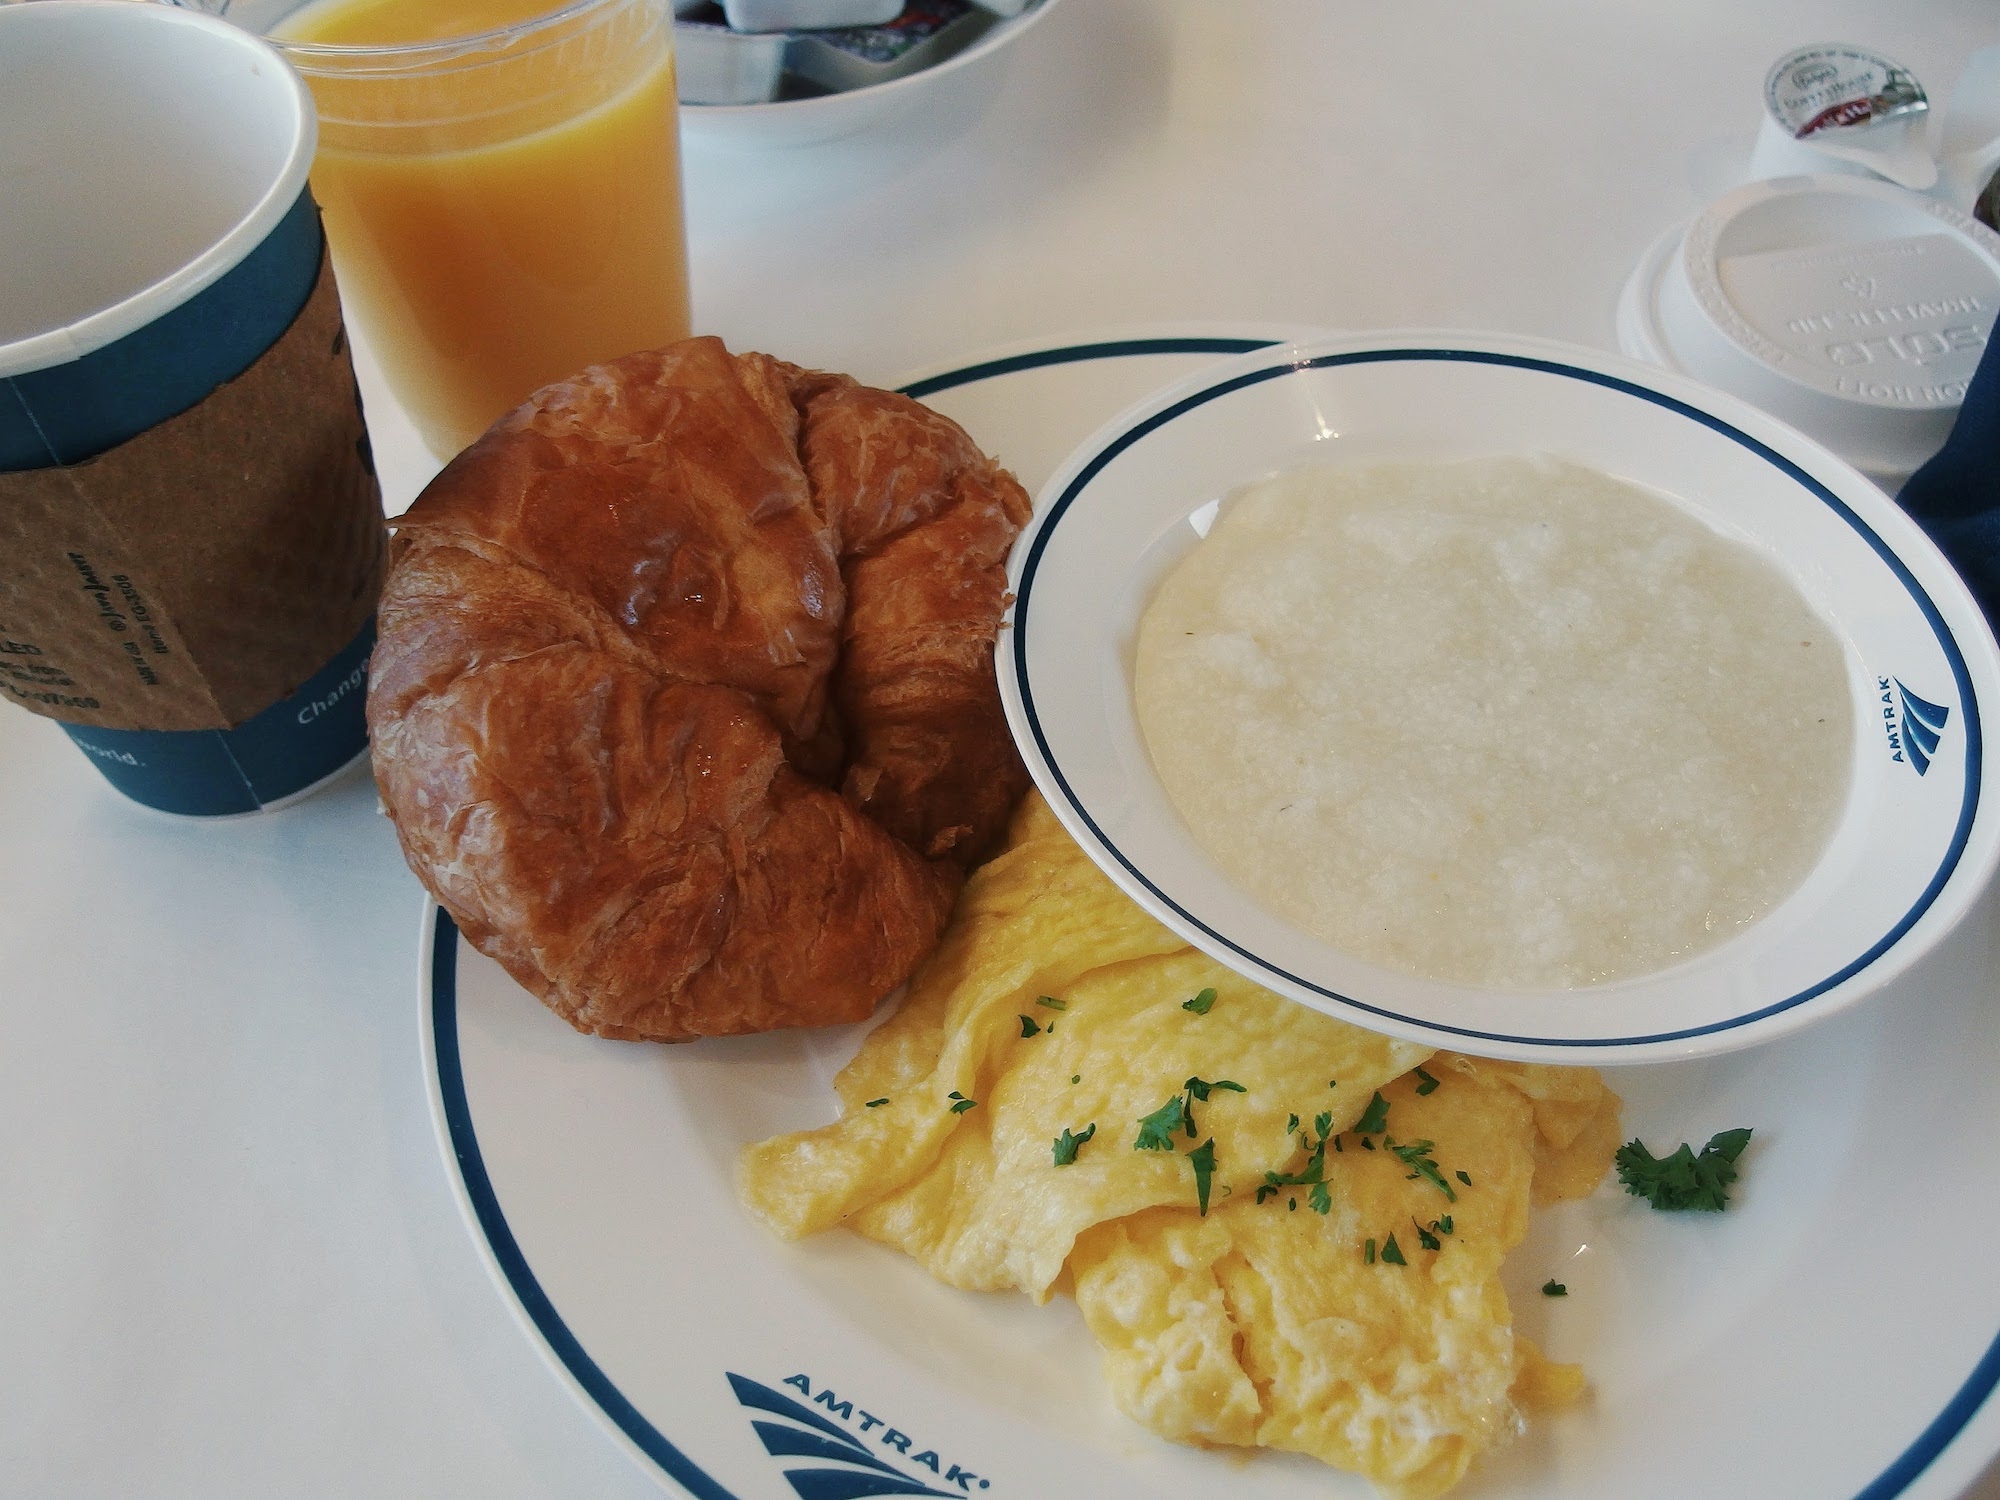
x: 190, y: 529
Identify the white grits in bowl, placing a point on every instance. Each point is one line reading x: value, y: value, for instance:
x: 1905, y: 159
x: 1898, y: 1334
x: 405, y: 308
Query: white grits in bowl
x: 1506, y: 695
x: 1465, y: 719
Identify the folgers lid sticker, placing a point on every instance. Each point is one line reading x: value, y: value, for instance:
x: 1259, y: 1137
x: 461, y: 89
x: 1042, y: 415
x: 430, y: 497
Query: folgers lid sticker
x: 1823, y: 88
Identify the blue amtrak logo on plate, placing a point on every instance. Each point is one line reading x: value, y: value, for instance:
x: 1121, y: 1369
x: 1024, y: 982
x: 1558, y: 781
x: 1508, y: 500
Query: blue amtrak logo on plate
x: 1914, y: 725
x: 844, y: 1467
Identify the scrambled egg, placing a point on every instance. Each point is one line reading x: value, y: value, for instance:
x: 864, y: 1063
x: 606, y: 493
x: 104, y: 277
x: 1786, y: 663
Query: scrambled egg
x: 1283, y: 1230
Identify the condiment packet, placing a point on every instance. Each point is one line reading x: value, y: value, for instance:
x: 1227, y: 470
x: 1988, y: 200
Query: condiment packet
x: 808, y: 15
x: 925, y: 34
x: 714, y: 64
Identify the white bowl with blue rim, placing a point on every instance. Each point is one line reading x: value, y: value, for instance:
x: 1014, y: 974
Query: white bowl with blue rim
x: 1915, y: 844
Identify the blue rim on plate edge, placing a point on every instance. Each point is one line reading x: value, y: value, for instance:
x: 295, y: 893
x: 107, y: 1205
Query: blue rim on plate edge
x: 1974, y: 744
x: 566, y: 1347
x: 513, y: 1265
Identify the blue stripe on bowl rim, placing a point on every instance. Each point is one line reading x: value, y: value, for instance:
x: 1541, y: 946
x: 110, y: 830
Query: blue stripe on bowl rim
x: 563, y: 1343
x: 1948, y: 644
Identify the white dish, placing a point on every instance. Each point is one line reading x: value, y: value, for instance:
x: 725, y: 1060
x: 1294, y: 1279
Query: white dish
x: 1836, y: 1334
x: 827, y: 117
x: 1917, y: 841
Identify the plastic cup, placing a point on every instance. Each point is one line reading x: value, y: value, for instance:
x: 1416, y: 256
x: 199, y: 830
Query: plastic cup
x: 190, y: 529
x: 504, y: 206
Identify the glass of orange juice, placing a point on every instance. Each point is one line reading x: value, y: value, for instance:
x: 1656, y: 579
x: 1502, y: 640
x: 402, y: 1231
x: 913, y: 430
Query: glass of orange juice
x: 500, y: 182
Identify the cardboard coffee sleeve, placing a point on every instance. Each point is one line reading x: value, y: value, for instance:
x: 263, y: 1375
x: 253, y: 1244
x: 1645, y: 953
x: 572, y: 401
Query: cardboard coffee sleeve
x: 193, y: 576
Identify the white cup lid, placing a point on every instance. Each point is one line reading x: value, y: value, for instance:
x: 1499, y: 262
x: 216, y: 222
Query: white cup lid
x: 1851, y: 308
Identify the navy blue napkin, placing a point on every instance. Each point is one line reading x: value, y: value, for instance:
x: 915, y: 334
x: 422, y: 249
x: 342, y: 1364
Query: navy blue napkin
x: 1956, y: 496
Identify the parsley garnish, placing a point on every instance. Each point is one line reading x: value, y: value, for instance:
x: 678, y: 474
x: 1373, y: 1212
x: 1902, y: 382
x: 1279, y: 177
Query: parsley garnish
x: 876, y: 1103
x: 1554, y: 1288
x: 1052, y: 1003
x: 1200, y: 1003
x: 1202, y: 1159
x: 1200, y: 1087
x: 1028, y: 1026
x: 1156, y: 1131
x: 1291, y: 1123
x: 1076, y: 1078
x: 1464, y: 1177
x: 1392, y: 1253
x: 1426, y: 1239
x: 1417, y: 1156
x: 1425, y: 1083
x: 1375, y: 1118
x: 963, y: 1103
x: 1065, y: 1144
x: 1312, y: 1174
x: 1683, y: 1180
x: 1368, y: 1253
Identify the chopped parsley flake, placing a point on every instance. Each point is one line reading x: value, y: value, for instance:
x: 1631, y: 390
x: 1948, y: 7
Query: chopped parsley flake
x: 1156, y: 1131
x: 1417, y: 1156
x: 1076, y: 1078
x: 876, y: 1103
x: 1426, y: 1239
x: 1375, y: 1118
x: 1683, y: 1180
x: 1554, y: 1288
x: 1368, y: 1253
x: 1464, y: 1177
x: 1200, y: 1003
x: 1291, y: 1123
x: 1312, y: 1174
x: 1202, y: 1159
x: 1065, y: 1144
x: 1052, y: 1003
x: 1425, y: 1083
x: 963, y: 1103
x: 1200, y: 1087
x: 1392, y: 1253
x: 1028, y: 1026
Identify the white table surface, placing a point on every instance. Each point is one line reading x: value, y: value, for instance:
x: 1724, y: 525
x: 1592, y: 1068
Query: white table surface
x: 230, y: 1261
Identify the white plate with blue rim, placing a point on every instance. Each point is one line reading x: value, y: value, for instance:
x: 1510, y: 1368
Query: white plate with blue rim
x: 1834, y: 1336
x: 1916, y: 840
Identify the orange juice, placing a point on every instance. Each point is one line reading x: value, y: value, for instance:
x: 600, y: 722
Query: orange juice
x: 503, y: 200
